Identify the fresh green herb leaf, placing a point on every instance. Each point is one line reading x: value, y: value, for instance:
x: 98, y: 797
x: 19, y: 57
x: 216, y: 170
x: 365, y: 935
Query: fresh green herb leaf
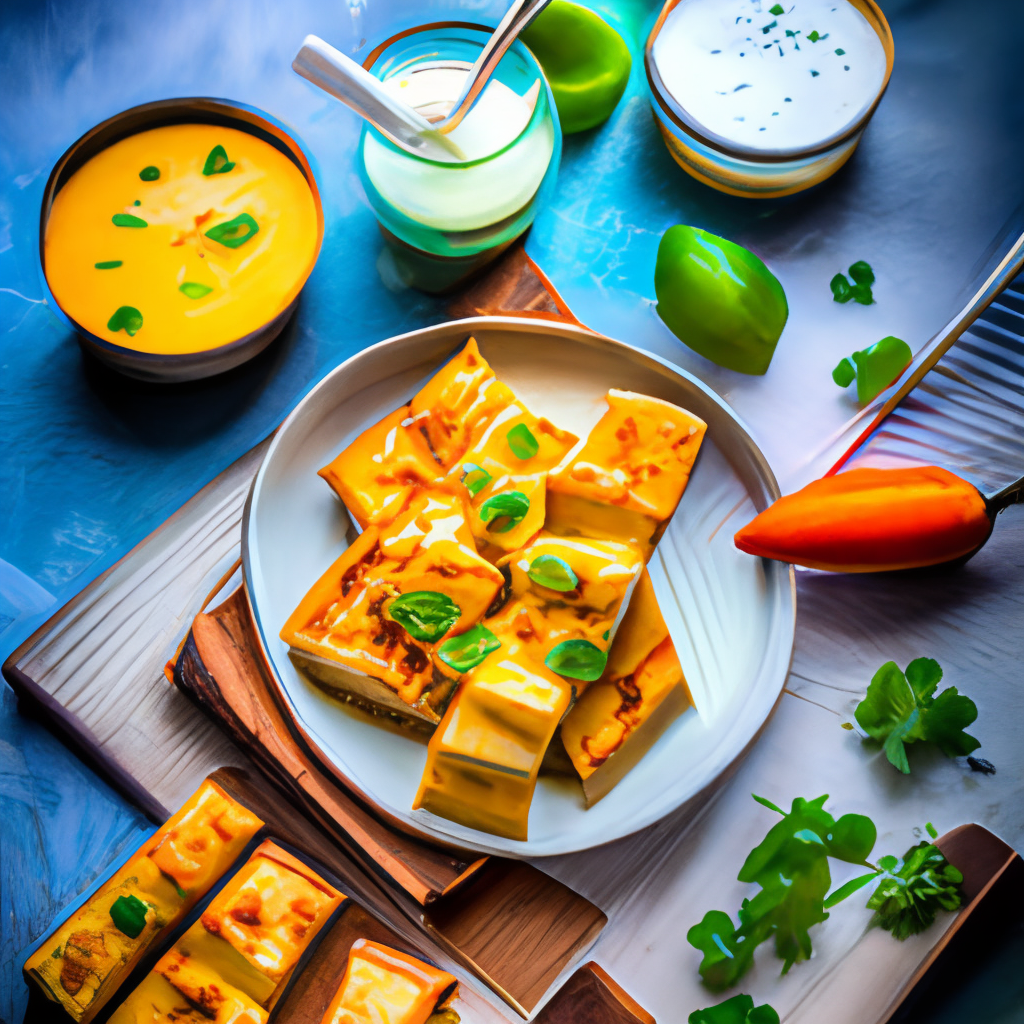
x: 845, y: 373
x: 468, y: 649
x: 840, y: 288
x: 129, y: 915
x: 849, y: 888
x: 108, y: 264
x: 522, y: 442
x: 577, y: 659
x: 765, y: 29
x: 150, y: 173
x: 840, y: 53
x: 217, y: 162
x: 128, y: 220
x: 505, y: 511
x: 815, y: 37
x: 57, y: 953
x: 776, y: 10
x: 474, y: 477
x: 553, y: 572
x: 126, y: 318
x: 862, y: 273
x: 737, y: 1010
x: 194, y: 290
x: 900, y: 708
x: 425, y: 614
x: 909, y: 897
x: 791, y: 867
x: 814, y: 74
x: 234, y: 232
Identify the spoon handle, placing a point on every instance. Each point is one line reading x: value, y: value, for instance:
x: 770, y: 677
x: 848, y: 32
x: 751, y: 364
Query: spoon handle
x: 517, y: 17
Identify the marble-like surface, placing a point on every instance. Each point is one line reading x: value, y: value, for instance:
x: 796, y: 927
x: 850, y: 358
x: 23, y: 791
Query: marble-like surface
x: 90, y: 463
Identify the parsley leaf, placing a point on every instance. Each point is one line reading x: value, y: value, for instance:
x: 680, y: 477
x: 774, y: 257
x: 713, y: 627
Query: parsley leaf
x: 791, y: 866
x: 737, y: 1010
x: 901, y: 708
x: 913, y: 891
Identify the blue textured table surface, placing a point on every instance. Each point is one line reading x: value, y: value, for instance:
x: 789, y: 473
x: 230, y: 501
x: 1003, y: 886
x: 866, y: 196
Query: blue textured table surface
x: 90, y: 462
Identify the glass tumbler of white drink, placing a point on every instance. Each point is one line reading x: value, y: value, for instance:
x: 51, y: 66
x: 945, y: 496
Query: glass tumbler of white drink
x: 445, y: 220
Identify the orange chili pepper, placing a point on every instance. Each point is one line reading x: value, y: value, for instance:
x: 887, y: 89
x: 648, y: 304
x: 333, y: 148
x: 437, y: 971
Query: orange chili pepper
x: 872, y: 520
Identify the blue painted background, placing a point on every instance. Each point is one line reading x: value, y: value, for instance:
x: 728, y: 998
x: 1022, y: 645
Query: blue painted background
x: 90, y: 462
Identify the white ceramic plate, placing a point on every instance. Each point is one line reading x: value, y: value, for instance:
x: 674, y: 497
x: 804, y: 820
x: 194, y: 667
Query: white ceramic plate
x: 732, y: 616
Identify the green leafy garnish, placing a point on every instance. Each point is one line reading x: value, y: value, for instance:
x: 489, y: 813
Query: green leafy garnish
x: 765, y: 29
x: 128, y: 220
x: 126, y: 318
x: 815, y: 37
x: 553, y: 572
x: 194, y: 290
x: 776, y: 10
x: 108, y: 264
x: 858, y: 288
x: 425, y: 614
x: 234, y: 232
x: 912, y: 892
x: 150, y: 173
x: 577, y: 659
x: 845, y: 373
x: 217, y: 162
x: 840, y: 53
x: 792, y: 867
x: 475, y: 478
x: 129, y: 915
x: 468, y: 649
x: 505, y: 511
x: 737, y: 1010
x: 522, y: 442
x: 901, y: 708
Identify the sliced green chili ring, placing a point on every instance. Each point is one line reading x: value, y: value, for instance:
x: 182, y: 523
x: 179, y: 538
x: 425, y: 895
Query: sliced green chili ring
x: 217, y: 162
x: 126, y: 318
x: 553, y: 572
x: 149, y: 173
x: 475, y: 477
x: 230, y: 233
x: 522, y: 442
x: 129, y: 915
x: 577, y: 659
x: 128, y: 220
x: 505, y: 511
x: 468, y: 649
x: 194, y: 290
x: 108, y: 264
x: 425, y: 614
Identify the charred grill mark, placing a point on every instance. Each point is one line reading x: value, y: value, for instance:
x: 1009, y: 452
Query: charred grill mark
x: 415, y: 660
x: 503, y: 594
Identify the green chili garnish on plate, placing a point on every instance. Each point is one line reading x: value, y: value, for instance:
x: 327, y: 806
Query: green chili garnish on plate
x: 126, y: 318
x: 475, y: 478
x: 150, y: 173
x: 234, y: 232
x: 505, y: 511
x: 425, y: 614
x: 553, y: 572
x: 217, y: 162
x: 522, y: 442
x: 194, y: 290
x: 128, y: 220
x: 776, y: 10
x: 108, y: 264
x: 577, y: 659
x: 468, y: 649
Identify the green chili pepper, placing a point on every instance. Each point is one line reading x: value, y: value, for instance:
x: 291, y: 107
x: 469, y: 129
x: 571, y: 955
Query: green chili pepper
x: 194, y: 290
x: 129, y: 915
x: 475, y: 478
x: 505, y: 511
x: 128, y: 220
x: 522, y: 442
x: 860, y: 290
x: 586, y: 62
x: 126, y: 318
x: 553, y: 572
x: 217, y: 162
x: 234, y: 232
x: 719, y: 299
x: 468, y: 649
x: 150, y: 173
x: 875, y: 368
x: 425, y: 614
x: 577, y: 659
x: 108, y: 264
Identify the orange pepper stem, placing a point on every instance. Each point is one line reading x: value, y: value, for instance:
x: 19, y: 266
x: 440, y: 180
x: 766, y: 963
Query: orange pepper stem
x: 1011, y: 494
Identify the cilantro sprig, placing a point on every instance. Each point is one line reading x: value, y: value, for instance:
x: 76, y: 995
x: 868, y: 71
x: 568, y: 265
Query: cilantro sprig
x: 900, y: 708
x: 737, y: 1010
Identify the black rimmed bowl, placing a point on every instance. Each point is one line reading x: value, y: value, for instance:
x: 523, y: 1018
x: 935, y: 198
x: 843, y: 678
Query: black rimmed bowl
x: 178, y: 366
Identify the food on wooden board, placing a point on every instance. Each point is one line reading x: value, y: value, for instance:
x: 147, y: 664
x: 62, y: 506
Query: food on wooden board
x: 497, y: 559
x: 641, y: 693
x: 386, y: 986
x: 719, y: 299
x: 369, y: 625
x: 83, y: 962
x: 875, y: 368
x: 874, y: 520
x: 250, y: 938
x: 627, y: 479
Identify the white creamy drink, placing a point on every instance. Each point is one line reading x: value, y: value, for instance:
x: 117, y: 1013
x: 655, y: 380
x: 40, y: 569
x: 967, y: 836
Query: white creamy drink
x: 463, y: 196
x: 770, y: 75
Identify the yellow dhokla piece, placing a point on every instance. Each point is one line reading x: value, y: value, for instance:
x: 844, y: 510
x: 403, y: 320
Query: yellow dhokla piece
x: 82, y: 963
x: 627, y: 479
x: 483, y: 759
x: 343, y: 633
x: 385, y: 986
x: 231, y: 289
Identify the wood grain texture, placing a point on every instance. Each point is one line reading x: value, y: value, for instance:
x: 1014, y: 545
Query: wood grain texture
x: 591, y: 996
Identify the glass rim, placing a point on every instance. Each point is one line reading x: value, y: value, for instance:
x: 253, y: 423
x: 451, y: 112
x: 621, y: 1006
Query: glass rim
x: 680, y: 118
x: 536, y: 116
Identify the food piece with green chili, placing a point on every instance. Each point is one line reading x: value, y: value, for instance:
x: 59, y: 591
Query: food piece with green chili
x: 217, y: 162
x: 234, y: 232
x: 368, y: 627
